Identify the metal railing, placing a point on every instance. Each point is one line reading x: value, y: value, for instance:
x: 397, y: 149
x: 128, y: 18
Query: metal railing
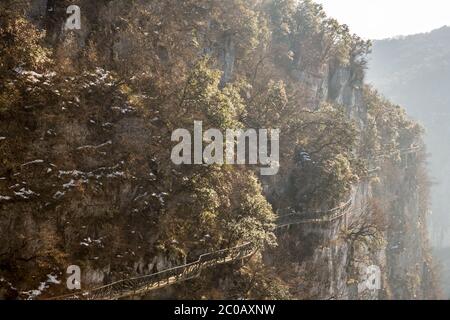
x: 294, y: 218
x: 144, y: 284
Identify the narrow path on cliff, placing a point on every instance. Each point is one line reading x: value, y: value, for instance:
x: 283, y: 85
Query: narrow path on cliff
x: 136, y: 286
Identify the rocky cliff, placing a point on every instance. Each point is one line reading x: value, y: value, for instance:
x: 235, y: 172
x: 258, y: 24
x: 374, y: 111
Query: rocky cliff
x: 86, y: 178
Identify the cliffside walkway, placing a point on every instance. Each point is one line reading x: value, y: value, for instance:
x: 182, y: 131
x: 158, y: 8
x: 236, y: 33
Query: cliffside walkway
x: 331, y: 215
x: 143, y: 284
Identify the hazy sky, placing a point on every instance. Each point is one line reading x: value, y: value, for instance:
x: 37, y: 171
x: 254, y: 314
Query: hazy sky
x: 376, y: 19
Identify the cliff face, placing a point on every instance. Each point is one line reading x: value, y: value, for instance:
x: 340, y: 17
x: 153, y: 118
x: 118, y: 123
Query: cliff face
x: 323, y: 262
x: 319, y: 259
x: 87, y: 177
x: 409, y: 271
x: 413, y: 71
x: 327, y: 263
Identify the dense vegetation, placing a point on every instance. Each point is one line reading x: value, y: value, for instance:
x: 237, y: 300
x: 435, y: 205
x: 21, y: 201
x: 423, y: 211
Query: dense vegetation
x: 86, y: 176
